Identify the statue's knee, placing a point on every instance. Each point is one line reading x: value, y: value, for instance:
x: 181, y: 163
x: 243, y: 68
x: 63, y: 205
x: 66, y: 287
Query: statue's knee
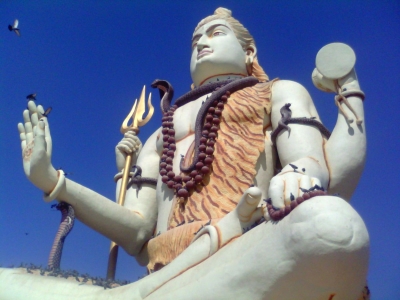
x: 326, y: 233
x: 328, y: 223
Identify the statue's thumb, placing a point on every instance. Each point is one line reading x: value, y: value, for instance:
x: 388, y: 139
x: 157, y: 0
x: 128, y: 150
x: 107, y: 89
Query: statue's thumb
x: 41, y: 126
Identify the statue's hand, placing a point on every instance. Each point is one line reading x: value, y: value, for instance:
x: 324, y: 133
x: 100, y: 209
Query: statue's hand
x: 36, y: 148
x: 289, y: 184
x: 332, y: 86
x: 129, y: 144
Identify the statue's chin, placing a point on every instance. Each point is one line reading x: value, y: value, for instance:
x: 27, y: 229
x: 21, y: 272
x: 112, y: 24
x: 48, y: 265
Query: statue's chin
x: 206, y: 68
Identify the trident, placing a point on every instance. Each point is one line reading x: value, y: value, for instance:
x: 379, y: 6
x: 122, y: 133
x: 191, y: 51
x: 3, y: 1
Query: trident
x: 136, y: 114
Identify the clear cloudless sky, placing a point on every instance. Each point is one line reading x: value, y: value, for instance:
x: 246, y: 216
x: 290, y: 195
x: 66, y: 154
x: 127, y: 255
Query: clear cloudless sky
x: 90, y: 59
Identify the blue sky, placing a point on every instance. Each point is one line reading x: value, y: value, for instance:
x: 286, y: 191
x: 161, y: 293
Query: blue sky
x: 90, y: 60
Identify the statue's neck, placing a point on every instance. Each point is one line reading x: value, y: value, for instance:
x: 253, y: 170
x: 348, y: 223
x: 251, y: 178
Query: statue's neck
x: 221, y: 77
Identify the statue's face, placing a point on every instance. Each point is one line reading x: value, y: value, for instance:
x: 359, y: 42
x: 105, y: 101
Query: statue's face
x: 216, y: 51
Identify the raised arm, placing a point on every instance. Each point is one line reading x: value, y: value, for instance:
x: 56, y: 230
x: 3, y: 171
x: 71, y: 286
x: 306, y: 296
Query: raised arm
x: 346, y: 149
x: 129, y: 226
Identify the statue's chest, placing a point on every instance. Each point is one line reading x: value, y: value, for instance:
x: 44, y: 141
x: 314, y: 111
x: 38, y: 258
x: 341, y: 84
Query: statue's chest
x: 184, y: 121
x: 236, y: 147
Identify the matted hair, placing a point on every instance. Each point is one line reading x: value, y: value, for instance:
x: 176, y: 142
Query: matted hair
x: 242, y: 34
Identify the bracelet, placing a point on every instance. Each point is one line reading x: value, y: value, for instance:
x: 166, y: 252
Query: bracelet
x: 60, y: 184
x: 349, y: 93
x: 118, y: 176
x: 214, y: 238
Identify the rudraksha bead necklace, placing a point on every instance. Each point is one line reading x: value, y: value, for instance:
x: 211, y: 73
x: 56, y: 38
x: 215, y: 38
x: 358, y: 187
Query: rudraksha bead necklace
x: 185, y: 185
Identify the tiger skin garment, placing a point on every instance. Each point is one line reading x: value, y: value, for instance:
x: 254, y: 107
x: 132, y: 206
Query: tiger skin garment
x: 241, y: 139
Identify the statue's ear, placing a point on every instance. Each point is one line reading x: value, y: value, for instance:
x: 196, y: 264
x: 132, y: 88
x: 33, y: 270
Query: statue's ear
x: 250, y: 54
x: 251, y: 51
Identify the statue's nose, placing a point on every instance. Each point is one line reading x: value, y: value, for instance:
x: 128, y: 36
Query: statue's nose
x: 202, y: 43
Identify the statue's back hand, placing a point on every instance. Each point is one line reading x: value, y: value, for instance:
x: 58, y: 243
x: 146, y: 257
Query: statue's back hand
x: 293, y: 181
x: 36, y: 148
x: 129, y: 144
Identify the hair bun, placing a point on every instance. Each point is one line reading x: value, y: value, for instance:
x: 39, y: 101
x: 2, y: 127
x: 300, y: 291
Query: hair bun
x: 223, y: 12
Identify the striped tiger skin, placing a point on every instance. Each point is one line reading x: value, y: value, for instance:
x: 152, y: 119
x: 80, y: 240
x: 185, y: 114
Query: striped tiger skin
x: 238, y: 147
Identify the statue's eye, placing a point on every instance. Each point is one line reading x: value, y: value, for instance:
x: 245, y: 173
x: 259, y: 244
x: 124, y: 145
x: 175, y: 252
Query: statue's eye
x: 218, y: 32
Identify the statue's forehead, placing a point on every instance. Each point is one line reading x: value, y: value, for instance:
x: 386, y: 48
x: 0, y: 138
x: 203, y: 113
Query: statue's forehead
x: 205, y: 27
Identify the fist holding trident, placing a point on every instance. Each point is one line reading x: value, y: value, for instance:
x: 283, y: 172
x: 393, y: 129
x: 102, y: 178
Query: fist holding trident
x: 136, y: 113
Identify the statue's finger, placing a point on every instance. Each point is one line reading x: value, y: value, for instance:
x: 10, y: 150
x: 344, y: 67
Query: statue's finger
x: 47, y: 136
x: 40, y: 143
x: 248, y: 203
x: 40, y: 111
x: 46, y: 127
x: 130, y: 136
x: 21, y: 129
x: 26, y: 117
x: 275, y: 191
x: 130, y: 133
x: 291, y: 191
x: 124, y: 148
x: 32, y: 106
x: 315, y: 182
x: 127, y: 143
x: 305, y: 184
x: 28, y: 126
x: 22, y: 135
x: 33, y: 112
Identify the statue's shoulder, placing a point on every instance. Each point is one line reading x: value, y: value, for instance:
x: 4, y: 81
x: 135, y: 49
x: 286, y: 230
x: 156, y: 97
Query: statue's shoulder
x: 288, y: 90
x: 258, y: 94
x: 265, y: 87
x: 287, y: 86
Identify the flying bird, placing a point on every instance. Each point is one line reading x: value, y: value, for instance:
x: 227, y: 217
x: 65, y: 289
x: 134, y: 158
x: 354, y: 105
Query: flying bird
x: 14, y: 28
x: 46, y: 113
x: 31, y: 97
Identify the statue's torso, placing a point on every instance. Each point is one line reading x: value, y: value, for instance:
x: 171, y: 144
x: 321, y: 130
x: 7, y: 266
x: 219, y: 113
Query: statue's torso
x: 257, y: 146
x: 184, y: 125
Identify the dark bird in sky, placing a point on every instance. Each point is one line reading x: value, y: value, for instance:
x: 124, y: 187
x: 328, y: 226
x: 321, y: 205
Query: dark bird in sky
x: 31, y: 97
x: 46, y: 113
x: 14, y: 28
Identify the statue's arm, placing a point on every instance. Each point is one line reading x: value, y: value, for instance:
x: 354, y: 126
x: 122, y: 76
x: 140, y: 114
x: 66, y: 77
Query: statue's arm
x: 129, y: 226
x: 346, y: 149
x: 301, y: 152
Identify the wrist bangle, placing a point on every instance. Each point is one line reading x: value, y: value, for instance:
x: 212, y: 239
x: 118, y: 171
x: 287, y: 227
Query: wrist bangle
x: 60, y: 184
x: 118, y: 176
x: 357, y: 93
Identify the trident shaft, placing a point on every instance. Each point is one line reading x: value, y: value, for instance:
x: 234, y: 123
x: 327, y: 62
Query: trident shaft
x: 136, y: 113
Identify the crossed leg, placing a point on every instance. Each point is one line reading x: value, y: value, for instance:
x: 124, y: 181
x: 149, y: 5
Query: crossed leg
x: 319, y: 251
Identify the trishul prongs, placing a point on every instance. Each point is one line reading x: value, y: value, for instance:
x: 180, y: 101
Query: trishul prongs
x: 137, y: 112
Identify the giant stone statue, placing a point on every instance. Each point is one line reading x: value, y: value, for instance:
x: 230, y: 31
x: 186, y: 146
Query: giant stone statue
x: 243, y: 193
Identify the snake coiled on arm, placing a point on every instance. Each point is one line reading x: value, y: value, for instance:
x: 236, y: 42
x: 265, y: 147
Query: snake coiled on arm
x: 286, y: 119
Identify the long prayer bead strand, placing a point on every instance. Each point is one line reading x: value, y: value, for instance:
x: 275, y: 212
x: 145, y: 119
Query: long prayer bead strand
x: 185, y: 185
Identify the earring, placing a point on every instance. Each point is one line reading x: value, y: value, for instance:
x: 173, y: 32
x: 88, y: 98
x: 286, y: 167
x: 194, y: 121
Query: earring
x: 249, y: 64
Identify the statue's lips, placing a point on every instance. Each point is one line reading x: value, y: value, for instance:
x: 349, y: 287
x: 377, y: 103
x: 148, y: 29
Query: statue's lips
x: 204, y: 52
